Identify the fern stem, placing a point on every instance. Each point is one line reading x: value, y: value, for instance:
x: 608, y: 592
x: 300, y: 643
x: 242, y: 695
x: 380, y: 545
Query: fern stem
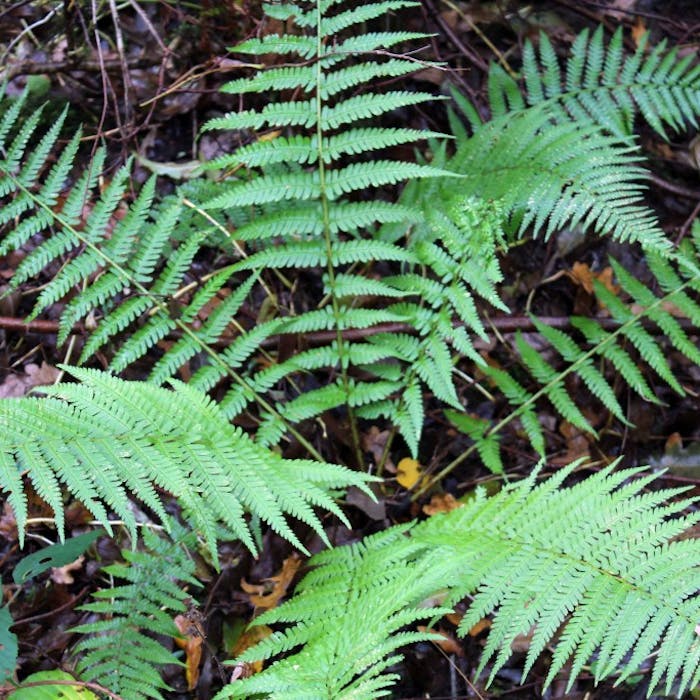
x: 337, y: 313
x: 184, y: 328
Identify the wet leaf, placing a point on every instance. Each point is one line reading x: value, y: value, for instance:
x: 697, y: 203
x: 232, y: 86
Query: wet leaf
x: 54, y: 556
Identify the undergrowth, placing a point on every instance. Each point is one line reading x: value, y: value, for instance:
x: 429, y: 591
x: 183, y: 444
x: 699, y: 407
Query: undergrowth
x: 594, y: 569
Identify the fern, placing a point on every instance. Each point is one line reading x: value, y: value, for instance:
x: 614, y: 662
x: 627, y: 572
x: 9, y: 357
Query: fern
x: 324, y: 229
x: 535, y: 158
x: 621, y: 350
x: 595, y: 569
x: 388, y: 572
x: 535, y: 153
x: 118, y: 653
x: 294, y: 191
x: 600, y: 84
x: 106, y: 439
x: 542, y: 174
x: 600, y: 559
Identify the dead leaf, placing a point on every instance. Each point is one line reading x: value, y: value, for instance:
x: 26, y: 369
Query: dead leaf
x: 375, y: 508
x: 242, y: 670
x: 441, y: 503
x: 374, y: 442
x: 408, y: 472
x: 638, y: 31
x: 674, y: 442
x: 577, y: 444
x: 522, y: 642
x: 582, y: 275
x: 455, y: 618
x: 479, y: 627
x: 16, y: 385
x: 250, y: 638
x: 63, y: 574
x: 8, y: 523
x: 448, y: 643
x: 190, y: 625
x: 268, y: 594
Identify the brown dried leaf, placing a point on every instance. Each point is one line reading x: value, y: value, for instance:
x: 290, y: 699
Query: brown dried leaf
x: 441, y: 503
x: 250, y: 638
x: 582, y: 275
x: 479, y: 627
x: 638, y: 31
x: 577, y: 444
x: 190, y: 625
x: 268, y: 594
x: 448, y: 643
x: 374, y: 441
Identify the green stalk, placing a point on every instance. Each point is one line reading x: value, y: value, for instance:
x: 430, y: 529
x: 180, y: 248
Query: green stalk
x: 337, y: 311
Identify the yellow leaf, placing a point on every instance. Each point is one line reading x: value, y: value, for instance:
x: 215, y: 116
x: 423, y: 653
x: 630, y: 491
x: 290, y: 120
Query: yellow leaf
x: 408, y: 472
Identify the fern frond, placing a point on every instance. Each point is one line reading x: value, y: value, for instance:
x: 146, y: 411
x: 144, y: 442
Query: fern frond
x: 118, y: 653
x: 616, y: 347
x: 309, y: 168
x: 106, y: 436
x: 601, y: 85
x: 385, y: 572
x: 601, y: 560
x: 542, y: 175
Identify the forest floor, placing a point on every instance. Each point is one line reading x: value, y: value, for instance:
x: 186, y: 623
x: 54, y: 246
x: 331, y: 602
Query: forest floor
x: 149, y: 102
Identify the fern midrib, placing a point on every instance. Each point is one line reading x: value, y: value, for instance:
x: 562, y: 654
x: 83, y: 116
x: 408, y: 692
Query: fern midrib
x: 162, y: 306
x: 543, y: 391
x: 337, y: 312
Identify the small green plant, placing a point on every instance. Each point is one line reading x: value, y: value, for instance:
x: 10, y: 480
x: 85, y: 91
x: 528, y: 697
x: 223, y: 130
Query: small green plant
x: 117, y: 654
x: 594, y: 569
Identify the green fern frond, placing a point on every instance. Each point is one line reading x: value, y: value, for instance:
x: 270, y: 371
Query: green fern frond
x: 542, y: 175
x: 386, y: 573
x: 106, y: 436
x: 118, y: 653
x: 629, y: 349
x: 596, y: 569
x: 599, y: 84
x: 487, y: 444
x: 307, y: 166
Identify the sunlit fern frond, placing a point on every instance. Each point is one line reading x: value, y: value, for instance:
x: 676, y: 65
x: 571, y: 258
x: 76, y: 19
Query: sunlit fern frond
x: 596, y: 570
x: 108, y: 441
